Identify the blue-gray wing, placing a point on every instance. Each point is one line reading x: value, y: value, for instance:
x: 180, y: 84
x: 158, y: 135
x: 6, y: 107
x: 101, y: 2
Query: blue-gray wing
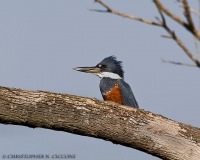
x: 127, y: 94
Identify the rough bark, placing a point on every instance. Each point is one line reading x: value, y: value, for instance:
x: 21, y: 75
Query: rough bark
x: 135, y: 128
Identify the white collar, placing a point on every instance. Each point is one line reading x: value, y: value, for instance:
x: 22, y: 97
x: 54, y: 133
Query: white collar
x: 109, y: 75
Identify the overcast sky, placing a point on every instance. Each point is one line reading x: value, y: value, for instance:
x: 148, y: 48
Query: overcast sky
x: 42, y: 40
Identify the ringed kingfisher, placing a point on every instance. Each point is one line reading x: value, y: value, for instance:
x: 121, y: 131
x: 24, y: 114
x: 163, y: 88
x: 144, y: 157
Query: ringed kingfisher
x: 112, y: 85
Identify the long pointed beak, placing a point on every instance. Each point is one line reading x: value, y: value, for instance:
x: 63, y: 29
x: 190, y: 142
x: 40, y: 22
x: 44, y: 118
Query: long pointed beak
x: 93, y: 70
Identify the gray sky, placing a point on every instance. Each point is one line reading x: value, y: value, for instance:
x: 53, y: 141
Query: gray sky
x: 40, y: 43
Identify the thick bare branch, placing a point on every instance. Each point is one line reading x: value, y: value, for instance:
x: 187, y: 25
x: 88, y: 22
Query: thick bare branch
x: 131, y: 127
x: 110, y: 10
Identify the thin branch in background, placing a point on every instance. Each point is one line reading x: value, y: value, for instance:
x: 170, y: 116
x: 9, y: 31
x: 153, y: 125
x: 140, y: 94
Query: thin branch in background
x: 199, y: 14
x: 110, y: 10
x: 195, y: 12
x: 196, y: 44
x: 98, y: 10
x: 175, y: 37
x: 186, y: 50
x: 188, y: 16
x: 170, y: 14
x: 166, y: 36
x: 192, y: 10
x: 189, y: 26
x: 199, y: 29
x: 179, y: 63
x: 161, y: 23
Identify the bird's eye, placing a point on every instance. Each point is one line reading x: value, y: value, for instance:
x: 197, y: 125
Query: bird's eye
x: 102, y: 66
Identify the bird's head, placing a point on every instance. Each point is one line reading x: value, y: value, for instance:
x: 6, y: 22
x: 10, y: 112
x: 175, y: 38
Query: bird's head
x: 108, y: 67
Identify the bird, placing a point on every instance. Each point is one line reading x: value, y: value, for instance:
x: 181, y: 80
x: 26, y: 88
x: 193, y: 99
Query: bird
x: 112, y: 85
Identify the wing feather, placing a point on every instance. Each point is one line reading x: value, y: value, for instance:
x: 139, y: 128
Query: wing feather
x: 128, y: 97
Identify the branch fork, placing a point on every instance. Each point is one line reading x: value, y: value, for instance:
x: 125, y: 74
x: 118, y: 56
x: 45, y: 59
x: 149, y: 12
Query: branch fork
x: 189, y: 25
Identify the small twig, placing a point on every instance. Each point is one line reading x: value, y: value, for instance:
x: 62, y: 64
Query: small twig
x: 195, y: 12
x: 166, y: 36
x: 196, y: 44
x: 104, y: 5
x: 110, y: 10
x: 179, y: 63
x: 98, y: 10
x: 199, y: 15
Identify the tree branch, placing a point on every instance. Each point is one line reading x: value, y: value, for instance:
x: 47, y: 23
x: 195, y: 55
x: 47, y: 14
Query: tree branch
x: 177, y: 40
x: 190, y: 27
x: 195, y: 12
x: 110, y: 10
x: 178, y: 63
x: 162, y: 8
x: 189, y: 18
x: 131, y: 127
